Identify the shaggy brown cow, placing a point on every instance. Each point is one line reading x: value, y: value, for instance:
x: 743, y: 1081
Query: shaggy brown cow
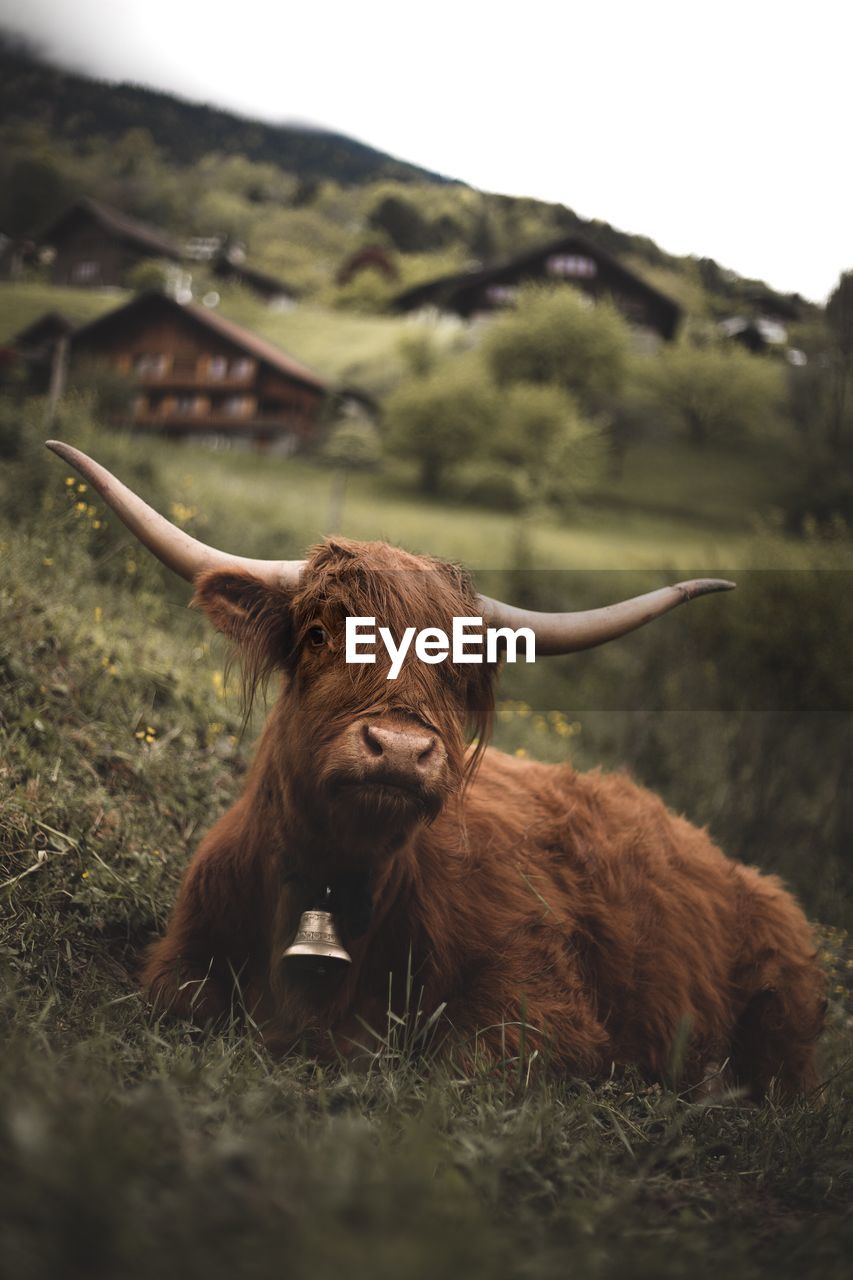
x: 527, y: 899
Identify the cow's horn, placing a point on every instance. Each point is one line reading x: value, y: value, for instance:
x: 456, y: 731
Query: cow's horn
x: 176, y: 548
x: 558, y: 633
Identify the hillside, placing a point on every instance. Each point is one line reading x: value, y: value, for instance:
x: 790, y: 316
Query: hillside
x: 78, y: 108
x: 299, y: 198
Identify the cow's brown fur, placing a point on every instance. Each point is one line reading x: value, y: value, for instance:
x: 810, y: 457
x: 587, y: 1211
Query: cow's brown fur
x: 575, y: 904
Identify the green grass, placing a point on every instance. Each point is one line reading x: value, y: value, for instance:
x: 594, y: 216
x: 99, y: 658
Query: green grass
x: 345, y: 346
x: 705, y: 519
x: 134, y: 1147
x: 20, y: 304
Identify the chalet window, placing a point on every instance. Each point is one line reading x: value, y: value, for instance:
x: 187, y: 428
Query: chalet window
x: 185, y: 405
x: 501, y: 295
x: 85, y: 272
x: 571, y: 266
x: 237, y: 406
x: 243, y: 367
x: 150, y: 365
x: 217, y: 367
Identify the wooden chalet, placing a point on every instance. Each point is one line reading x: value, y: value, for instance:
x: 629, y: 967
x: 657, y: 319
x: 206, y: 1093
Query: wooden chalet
x: 33, y: 347
x: 235, y: 271
x: 197, y: 374
x: 570, y: 260
x: 94, y: 245
x: 372, y: 257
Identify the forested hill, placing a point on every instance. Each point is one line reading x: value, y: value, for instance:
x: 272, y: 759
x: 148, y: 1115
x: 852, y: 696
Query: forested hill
x: 76, y: 108
x: 299, y: 199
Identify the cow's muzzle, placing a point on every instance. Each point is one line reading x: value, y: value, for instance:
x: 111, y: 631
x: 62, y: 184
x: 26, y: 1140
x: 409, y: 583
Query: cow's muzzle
x: 394, y: 756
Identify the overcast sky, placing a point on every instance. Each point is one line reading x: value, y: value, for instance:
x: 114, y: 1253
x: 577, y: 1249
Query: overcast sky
x: 721, y: 129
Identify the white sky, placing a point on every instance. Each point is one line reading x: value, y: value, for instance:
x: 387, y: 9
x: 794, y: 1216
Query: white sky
x: 721, y: 129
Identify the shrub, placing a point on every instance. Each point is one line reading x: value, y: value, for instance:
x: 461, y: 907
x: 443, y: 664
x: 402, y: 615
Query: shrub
x: 713, y: 391
x: 150, y: 273
x: 556, y: 336
x: 493, y: 484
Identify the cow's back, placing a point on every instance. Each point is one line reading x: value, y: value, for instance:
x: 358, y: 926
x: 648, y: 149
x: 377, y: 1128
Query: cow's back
x: 615, y: 924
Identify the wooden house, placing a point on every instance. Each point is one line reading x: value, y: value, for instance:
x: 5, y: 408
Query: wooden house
x: 94, y: 245
x: 198, y: 374
x: 33, y: 348
x: 234, y: 270
x: 570, y: 260
x: 372, y: 257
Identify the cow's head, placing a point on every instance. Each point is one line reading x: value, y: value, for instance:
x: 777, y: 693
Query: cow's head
x: 362, y: 759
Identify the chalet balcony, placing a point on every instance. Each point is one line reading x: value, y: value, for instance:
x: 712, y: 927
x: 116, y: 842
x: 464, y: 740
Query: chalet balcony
x: 192, y: 381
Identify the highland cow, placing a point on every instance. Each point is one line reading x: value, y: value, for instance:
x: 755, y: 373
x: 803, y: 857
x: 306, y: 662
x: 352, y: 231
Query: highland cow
x: 533, y: 905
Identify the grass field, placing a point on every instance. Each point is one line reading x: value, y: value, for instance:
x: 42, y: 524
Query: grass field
x: 134, y: 1147
x: 673, y: 509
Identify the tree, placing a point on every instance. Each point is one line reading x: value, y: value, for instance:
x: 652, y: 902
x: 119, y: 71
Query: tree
x: 542, y: 432
x: 353, y: 445
x: 839, y: 317
x: 556, y: 336
x: 712, y: 391
x: 442, y: 419
x: 34, y: 192
x: 403, y: 222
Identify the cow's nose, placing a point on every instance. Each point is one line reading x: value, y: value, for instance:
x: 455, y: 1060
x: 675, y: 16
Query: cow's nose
x: 411, y: 751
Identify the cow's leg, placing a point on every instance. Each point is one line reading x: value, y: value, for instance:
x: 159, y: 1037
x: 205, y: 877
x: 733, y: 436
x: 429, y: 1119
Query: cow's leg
x: 782, y: 994
x: 565, y: 1035
x: 199, y: 968
x: 775, y: 1036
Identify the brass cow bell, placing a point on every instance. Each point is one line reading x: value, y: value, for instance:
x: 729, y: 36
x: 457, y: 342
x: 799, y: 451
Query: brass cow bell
x: 316, y: 946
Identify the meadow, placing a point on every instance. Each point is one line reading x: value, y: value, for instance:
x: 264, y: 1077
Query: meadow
x: 135, y: 1146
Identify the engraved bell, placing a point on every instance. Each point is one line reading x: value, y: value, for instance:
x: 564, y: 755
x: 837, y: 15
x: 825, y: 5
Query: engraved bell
x: 316, y: 944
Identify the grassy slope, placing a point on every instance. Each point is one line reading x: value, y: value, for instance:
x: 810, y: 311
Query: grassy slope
x: 21, y: 304
x: 706, y: 517
x: 135, y: 1148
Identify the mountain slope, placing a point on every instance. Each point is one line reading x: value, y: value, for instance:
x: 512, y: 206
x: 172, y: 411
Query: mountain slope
x: 76, y: 108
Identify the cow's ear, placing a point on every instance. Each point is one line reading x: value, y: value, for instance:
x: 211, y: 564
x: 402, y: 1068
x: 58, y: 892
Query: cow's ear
x: 254, y: 615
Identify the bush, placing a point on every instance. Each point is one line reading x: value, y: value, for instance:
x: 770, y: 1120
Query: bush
x: 493, y: 484
x: 556, y: 336
x: 713, y: 392
x: 353, y: 445
x: 150, y: 273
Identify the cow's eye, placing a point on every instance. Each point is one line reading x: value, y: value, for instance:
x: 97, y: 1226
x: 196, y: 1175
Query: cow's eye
x: 318, y: 638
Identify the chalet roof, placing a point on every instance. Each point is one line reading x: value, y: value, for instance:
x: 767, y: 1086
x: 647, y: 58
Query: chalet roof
x: 250, y: 343
x: 444, y: 287
x: 51, y: 324
x: 260, y: 280
x: 116, y: 224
